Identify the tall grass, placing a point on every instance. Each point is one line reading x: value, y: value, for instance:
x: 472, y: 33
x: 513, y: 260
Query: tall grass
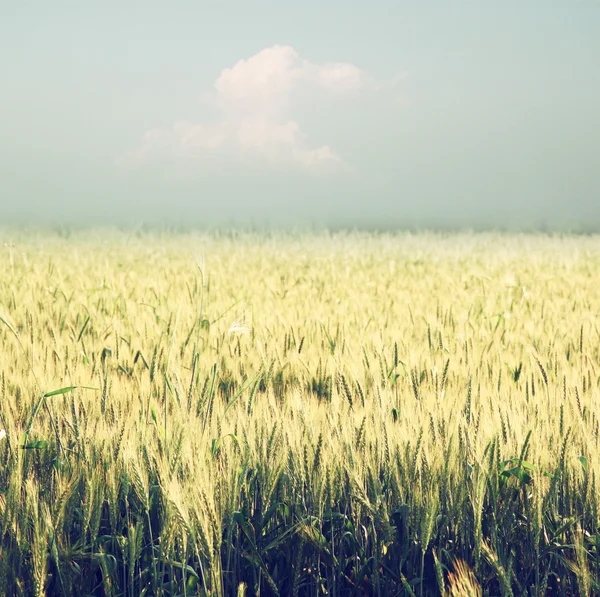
x: 342, y: 414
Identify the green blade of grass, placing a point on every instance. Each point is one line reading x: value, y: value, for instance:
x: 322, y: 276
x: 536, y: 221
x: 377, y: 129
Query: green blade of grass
x: 68, y: 389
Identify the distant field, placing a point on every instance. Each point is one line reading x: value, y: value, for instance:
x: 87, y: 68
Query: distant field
x: 345, y: 414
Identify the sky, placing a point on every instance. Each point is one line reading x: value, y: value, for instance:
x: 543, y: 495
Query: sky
x: 379, y: 114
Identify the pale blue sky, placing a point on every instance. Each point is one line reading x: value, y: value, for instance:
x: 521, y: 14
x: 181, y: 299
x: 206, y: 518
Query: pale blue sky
x: 461, y: 112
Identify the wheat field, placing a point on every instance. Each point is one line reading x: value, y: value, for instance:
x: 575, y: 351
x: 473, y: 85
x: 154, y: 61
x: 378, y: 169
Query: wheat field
x: 235, y: 413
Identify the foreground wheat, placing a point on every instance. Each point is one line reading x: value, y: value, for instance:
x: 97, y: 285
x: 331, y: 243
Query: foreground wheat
x: 299, y: 415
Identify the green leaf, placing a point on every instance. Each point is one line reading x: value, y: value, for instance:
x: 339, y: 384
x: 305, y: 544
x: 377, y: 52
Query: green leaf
x: 179, y: 565
x: 241, y: 391
x: 68, y: 389
x: 83, y: 328
x: 191, y: 584
x: 528, y: 466
x: 39, y: 445
x: 128, y: 373
x: 407, y: 585
x: 519, y: 473
x: 584, y: 462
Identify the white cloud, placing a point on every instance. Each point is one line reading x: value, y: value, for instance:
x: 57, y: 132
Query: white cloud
x: 265, y: 77
x: 255, y: 101
x: 341, y: 77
